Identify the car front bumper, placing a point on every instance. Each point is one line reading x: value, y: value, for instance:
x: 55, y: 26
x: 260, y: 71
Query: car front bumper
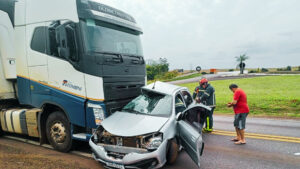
x: 133, y: 158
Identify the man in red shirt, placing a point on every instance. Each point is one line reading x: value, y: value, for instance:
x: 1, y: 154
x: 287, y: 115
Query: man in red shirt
x: 241, y: 111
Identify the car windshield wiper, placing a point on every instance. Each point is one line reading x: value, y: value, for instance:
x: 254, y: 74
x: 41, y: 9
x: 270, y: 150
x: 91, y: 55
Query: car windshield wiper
x: 131, y: 111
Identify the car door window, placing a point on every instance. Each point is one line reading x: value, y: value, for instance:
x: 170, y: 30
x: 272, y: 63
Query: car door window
x: 195, y: 117
x: 179, y: 104
x: 187, y: 97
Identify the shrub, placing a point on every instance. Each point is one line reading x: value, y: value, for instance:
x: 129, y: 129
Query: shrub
x: 230, y: 70
x: 288, y: 68
x: 264, y: 70
x: 280, y: 69
x: 170, y: 75
x: 253, y: 71
x: 299, y: 68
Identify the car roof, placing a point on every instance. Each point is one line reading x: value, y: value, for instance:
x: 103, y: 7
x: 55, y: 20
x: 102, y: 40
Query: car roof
x: 164, y: 88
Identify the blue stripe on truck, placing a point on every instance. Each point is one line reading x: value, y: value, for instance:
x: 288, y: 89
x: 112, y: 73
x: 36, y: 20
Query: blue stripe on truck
x: 41, y: 94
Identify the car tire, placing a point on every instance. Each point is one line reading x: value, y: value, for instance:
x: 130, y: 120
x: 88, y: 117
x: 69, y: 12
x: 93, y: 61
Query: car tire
x: 172, y: 151
x: 58, y: 131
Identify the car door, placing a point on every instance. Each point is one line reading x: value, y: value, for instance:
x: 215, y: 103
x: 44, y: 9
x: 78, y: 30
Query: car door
x: 189, y: 128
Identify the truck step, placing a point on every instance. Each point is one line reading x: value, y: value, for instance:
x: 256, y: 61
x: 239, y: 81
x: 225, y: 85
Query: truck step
x: 80, y: 136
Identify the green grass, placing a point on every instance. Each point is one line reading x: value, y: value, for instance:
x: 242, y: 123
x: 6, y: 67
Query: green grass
x: 277, y: 96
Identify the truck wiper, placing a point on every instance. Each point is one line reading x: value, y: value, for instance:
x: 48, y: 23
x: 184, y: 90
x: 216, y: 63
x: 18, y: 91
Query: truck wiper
x: 140, y: 58
x: 131, y: 55
x: 117, y: 59
x: 109, y: 53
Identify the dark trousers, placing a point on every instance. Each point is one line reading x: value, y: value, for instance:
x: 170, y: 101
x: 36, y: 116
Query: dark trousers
x: 209, y: 119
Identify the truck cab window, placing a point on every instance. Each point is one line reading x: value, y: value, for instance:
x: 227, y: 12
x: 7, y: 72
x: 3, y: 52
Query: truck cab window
x: 38, y: 41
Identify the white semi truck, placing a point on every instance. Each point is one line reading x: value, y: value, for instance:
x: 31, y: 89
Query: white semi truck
x: 64, y: 66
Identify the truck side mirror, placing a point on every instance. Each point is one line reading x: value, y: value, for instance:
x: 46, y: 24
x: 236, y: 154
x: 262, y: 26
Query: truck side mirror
x: 62, y: 42
x: 66, y: 41
x: 72, y: 42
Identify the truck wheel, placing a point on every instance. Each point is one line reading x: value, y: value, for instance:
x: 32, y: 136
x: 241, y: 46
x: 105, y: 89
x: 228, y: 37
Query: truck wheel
x: 172, y: 152
x: 58, y: 132
x: 1, y: 131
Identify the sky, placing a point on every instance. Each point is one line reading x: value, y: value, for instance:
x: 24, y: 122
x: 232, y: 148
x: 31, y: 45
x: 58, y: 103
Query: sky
x: 210, y: 33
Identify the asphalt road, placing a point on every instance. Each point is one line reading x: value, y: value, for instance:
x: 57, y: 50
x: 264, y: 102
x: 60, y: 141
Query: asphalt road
x: 271, y: 143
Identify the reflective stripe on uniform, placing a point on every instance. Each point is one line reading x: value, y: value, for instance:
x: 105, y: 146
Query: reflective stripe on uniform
x: 207, y: 123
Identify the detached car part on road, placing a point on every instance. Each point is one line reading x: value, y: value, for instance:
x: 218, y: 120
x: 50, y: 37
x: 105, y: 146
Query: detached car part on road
x: 148, y: 131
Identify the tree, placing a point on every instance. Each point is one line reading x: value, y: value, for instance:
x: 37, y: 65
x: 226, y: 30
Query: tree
x: 241, y: 60
x: 156, y: 69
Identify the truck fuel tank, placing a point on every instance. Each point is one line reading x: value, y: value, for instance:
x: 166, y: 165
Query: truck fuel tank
x: 21, y: 121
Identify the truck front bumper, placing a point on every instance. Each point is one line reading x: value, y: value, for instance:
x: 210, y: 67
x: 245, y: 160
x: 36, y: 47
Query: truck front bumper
x: 133, y: 158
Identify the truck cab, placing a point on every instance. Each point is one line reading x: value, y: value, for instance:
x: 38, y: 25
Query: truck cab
x: 73, y: 62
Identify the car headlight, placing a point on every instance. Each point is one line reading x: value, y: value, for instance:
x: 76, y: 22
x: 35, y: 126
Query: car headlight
x: 98, y: 113
x: 154, y: 142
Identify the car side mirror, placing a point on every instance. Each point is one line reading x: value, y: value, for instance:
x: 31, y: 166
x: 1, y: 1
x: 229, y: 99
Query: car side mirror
x: 178, y: 116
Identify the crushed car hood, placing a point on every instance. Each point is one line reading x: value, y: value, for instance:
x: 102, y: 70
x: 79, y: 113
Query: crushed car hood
x: 130, y: 124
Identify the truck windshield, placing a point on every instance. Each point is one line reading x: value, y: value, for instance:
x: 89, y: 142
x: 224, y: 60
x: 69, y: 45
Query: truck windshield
x: 150, y: 103
x: 108, y: 38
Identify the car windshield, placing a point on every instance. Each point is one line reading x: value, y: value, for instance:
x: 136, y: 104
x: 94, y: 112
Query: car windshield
x: 150, y: 103
x: 108, y: 38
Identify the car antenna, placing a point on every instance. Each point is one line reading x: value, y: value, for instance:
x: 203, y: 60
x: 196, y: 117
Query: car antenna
x: 154, y: 85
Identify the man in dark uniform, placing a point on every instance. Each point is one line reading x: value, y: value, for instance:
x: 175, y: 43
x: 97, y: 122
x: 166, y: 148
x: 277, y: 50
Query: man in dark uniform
x: 205, y: 94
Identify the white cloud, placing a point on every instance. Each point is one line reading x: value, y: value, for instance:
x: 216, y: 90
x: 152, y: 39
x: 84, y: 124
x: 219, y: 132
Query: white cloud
x: 211, y: 32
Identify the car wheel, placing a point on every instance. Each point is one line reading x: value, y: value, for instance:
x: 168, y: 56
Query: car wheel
x: 58, y: 132
x: 172, y: 152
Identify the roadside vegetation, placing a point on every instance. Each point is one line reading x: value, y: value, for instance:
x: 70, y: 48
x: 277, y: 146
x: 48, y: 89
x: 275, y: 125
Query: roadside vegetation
x: 277, y: 96
x: 159, y: 70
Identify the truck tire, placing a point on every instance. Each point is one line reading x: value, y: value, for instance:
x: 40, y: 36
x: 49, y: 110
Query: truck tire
x: 1, y: 131
x: 172, y: 151
x: 58, y: 131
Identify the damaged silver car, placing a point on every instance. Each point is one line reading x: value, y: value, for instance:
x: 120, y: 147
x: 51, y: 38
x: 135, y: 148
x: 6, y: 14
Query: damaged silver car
x: 149, y: 130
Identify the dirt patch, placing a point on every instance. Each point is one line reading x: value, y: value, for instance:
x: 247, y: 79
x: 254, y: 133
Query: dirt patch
x: 14, y: 154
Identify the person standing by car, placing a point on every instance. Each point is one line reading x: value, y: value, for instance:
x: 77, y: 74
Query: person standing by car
x: 205, y: 94
x: 241, y: 111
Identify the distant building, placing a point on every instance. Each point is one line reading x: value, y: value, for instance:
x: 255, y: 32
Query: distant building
x: 180, y: 70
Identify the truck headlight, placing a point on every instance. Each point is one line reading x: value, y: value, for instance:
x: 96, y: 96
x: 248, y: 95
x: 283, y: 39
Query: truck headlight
x: 154, y: 142
x: 98, y: 113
